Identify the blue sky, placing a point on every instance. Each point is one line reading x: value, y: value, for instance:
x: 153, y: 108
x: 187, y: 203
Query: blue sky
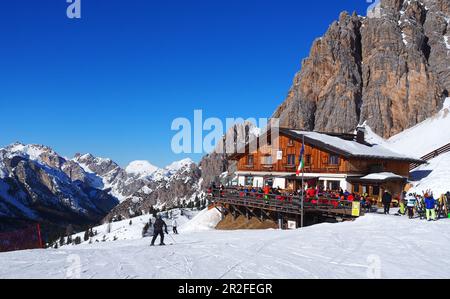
x: 112, y: 82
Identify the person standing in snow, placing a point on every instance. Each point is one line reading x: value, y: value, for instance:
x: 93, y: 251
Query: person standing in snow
x: 403, y: 206
x: 411, y: 204
x: 174, y: 226
x: 158, y: 230
x: 430, y: 206
x: 387, y: 200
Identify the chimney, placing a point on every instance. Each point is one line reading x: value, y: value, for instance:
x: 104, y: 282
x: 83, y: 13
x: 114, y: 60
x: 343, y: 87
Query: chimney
x: 360, y: 134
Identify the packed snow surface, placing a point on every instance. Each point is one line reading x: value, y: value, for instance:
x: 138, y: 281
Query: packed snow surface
x: 374, y: 246
x: 131, y: 229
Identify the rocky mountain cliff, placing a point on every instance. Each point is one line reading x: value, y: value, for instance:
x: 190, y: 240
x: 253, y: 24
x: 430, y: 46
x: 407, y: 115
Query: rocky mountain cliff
x: 390, y: 69
x: 168, y: 187
x: 38, y: 185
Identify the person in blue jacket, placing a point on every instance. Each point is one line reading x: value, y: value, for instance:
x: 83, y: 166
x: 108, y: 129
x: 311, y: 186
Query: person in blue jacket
x: 430, y: 205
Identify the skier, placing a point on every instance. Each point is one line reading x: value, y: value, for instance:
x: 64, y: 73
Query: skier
x: 174, y: 226
x: 158, y: 230
x: 387, y: 200
x: 403, y: 206
x: 411, y: 204
x: 430, y: 205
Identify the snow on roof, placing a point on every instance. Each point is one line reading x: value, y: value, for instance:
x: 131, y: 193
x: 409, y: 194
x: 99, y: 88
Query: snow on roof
x: 352, y: 147
x: 382, y: 176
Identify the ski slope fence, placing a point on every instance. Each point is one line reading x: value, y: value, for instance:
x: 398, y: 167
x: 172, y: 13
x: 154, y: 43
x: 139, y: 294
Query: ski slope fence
x: 433, y: 154
x: 28, y: 238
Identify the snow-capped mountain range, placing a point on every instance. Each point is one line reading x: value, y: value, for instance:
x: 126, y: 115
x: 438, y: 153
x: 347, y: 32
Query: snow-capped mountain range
x: 37, y: 184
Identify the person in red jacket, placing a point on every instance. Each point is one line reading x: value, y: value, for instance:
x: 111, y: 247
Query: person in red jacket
x: 311, y: 195
x: 351, y: 197
x: 266, y: 192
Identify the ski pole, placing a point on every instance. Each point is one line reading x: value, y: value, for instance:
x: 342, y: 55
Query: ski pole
x: 172, y: 238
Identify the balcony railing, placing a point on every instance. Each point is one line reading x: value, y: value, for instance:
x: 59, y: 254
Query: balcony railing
x: 287, y: 203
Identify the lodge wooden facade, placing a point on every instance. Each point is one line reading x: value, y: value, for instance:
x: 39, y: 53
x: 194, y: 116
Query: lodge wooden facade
x: 316, y: 161
x: 325, y: 164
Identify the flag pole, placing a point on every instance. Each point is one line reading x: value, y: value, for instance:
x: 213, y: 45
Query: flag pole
x: 303, y: 189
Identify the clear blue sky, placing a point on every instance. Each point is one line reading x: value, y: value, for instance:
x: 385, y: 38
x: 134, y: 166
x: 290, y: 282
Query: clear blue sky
x: 111, y: 83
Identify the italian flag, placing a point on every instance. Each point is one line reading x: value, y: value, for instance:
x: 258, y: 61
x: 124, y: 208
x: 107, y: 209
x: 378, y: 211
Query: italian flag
x: 302, y: 160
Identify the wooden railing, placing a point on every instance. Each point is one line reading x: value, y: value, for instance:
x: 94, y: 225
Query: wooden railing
x: 291, y: 204
x: 432, y: 155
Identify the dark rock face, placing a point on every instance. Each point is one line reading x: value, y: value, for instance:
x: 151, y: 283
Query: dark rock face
x: 390, y: 70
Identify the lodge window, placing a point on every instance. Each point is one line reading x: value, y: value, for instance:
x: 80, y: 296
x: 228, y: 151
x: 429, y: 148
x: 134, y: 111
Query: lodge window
x: 266, y: 160
x: 335, y: 185
x: 308, y: 160
x: 365, y: 189
x: 291, y: 142
x: 250, y: 160
x: 333, y: 160
x: 291, y: 160
x: 249, y: 181
x: 356, y: 188
x: 375, y: 191
x: 376, y: 168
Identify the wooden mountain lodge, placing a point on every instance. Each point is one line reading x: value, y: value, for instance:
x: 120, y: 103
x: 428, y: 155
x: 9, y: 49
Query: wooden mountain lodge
x: 340, y: 169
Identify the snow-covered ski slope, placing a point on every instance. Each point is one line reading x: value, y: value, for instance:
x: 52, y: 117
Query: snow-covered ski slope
x: 122, y: 230
x: 434, y: 176
x: 374, y: 246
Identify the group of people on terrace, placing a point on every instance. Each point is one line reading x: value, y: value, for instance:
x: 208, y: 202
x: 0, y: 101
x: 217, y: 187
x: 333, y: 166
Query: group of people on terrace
x: 312, y: 195
x: 423, y: 205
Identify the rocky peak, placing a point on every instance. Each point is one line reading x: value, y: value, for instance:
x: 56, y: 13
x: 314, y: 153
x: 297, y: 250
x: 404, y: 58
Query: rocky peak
x: 35, y: 152
x: 100, y: 166
x: 141, y: 168
x: 390, y: 69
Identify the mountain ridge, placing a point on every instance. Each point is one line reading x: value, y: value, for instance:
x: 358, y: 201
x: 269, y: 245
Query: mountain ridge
x: 390, y: 70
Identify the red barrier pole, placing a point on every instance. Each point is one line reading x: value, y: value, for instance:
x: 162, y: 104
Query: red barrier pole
x: 39, y: 235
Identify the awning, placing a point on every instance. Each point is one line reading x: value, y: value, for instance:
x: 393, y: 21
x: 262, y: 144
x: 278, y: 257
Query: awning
x: 381, y: 177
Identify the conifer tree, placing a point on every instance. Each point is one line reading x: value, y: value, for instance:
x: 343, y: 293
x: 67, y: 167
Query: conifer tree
x: 86, y: 235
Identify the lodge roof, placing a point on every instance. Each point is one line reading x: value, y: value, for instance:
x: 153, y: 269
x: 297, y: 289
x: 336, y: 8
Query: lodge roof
x: 344, y: 145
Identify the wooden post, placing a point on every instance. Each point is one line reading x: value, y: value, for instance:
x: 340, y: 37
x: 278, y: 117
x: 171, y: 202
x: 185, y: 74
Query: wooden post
x: 280, y: 221
x: 38, y: 226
